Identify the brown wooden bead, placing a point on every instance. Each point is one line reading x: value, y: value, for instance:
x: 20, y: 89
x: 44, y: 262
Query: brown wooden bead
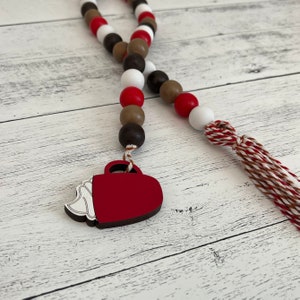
x: 149, y: 21
x: 138, y: 46
x: 156, y: 79
x: 87, y: 6
x: 136, y: 3
x: 120, y: 51
x: 169, y: 90
x: 131, y: 134
x: 90, y: 15
x: 132, y: 114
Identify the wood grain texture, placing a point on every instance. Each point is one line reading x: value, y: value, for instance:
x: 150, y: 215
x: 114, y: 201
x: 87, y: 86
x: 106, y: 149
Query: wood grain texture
x: 74, y: 71
x: 207, y: 195
x: 12, y: 12
x: 216, y: 236
x: 243, y: 267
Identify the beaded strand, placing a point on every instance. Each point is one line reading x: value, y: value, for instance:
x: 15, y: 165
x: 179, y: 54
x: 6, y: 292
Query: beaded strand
x: 268, y: 174
x: 136, y: 69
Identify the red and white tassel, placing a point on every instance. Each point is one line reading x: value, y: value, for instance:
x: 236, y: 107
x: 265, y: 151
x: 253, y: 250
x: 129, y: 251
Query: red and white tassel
x: 268, y: 174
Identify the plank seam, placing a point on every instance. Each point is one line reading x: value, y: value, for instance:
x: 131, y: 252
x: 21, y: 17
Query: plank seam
x: 152, y: 261
x: 154, y: 97
x: 155, y: 11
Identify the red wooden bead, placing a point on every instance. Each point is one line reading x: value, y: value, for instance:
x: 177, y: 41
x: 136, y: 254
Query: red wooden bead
x: 96, y: 23
x: 141, y: 34
x: 184, y: 103
x: 146, y: 14
x: 131, y: 95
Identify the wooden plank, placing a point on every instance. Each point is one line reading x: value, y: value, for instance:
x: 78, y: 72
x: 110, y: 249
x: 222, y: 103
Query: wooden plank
x: 72, y: 73
x: 41, y: 11
x: 258, y: 265
x: 207, y: 195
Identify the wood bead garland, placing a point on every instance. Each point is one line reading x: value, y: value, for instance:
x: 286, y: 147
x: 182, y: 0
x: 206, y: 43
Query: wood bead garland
x: 273, y: 179
x: 268, y: 174
x: 131, y: 55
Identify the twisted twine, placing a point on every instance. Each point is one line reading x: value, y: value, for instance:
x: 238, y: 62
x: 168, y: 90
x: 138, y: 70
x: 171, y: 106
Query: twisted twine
x: 268, y: 174
x: 128, y: 156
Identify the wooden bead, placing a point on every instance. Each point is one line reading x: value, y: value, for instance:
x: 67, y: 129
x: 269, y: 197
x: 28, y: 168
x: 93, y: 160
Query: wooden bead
x: 87, y: 6
x: 184, y: 103
x: 134, y: 61
x: 132, y: 114
x: 149, y: 22
x: 141, y: 8
x: 156, y: 79
x: 170, y: 90
x: 131, y: 134
x: 149, y: 68
x: 104, y: 31
x: 119, y: 51
x: 200, y: 116
x: 111, y: 40
x: 135, y: 3
x: 146, y: 14
x: 141, y: 34
x: 132, y: 95
x: 138, y: 46
x: 132, y: 77
x: 90, y: 15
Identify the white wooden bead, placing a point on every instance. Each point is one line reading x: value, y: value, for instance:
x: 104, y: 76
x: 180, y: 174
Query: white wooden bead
x: 103, y: 31
x: 147, y: 29
x: 85, y: 1
x: 141, y: 8
x: 149, y: 68
x: 201, y: 116
x: 132, y: 77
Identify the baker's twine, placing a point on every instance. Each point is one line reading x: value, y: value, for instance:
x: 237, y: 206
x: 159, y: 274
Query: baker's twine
x: 127, y: 156
x: 269, y: 175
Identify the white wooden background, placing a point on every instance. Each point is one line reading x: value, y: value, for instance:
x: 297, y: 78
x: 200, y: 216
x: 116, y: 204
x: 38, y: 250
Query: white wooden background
x: 216, y: 236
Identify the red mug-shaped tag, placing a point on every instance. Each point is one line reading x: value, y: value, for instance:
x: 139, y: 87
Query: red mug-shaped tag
x: 114, y: 199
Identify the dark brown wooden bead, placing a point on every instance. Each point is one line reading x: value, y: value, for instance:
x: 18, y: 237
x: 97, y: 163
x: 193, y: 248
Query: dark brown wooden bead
x: 87, y: 6
x: 134, y: 61
x: 156, y: 79
x: 132, y: 114
x: 135, y: 3
x: 149, y: 22
x: 119, y: 51
x: 111, y: 40
x: 138, y: 46
x: 90, y: 15
x: 131, y: 134
x: 169, y: 90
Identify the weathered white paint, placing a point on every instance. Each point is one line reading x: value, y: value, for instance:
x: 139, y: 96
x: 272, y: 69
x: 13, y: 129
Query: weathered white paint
x: 231, y: 244
x: 28, y: 11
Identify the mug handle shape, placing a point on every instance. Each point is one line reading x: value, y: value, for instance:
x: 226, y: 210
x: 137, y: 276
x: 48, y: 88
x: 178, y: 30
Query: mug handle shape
x: 120, y: 165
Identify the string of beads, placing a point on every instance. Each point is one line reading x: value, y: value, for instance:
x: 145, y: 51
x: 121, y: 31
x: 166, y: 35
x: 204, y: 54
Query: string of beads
x: 268, y: 174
